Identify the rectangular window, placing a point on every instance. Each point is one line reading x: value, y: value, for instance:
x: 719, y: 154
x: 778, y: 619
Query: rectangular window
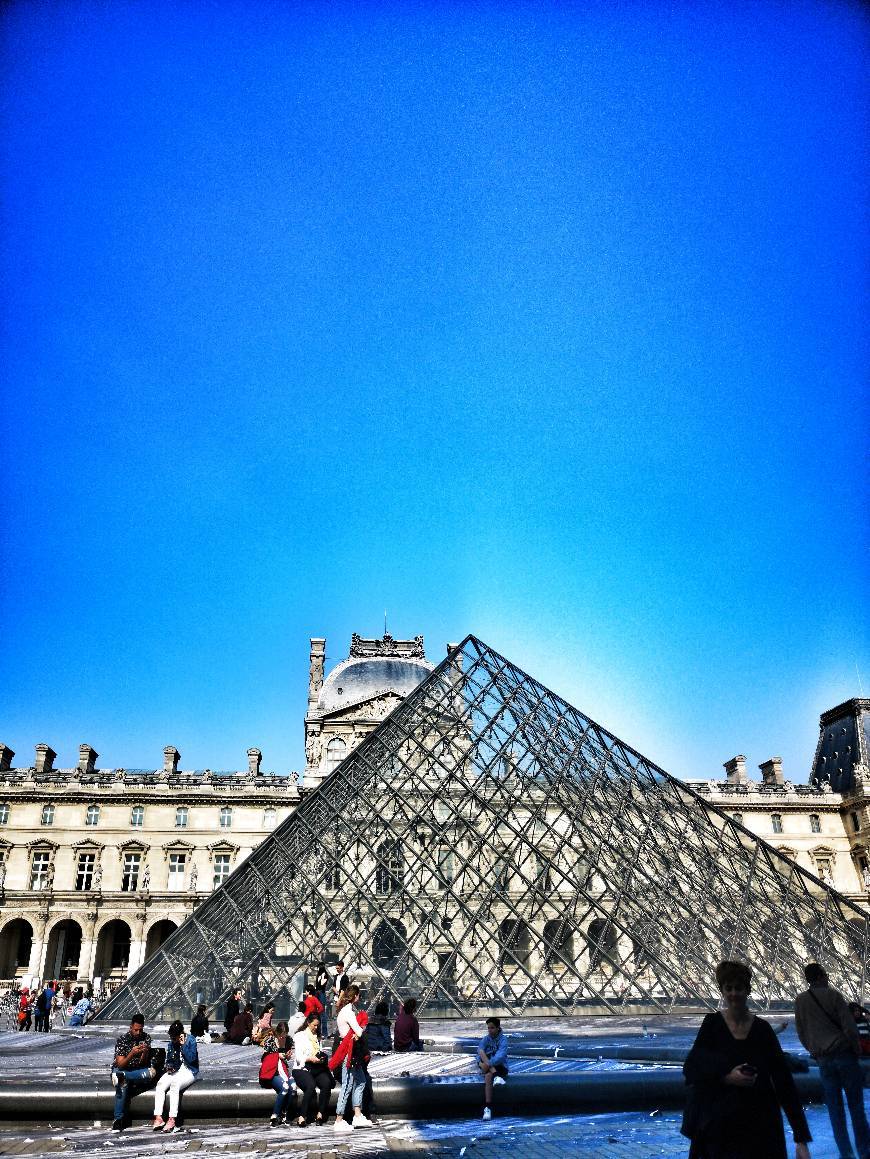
x: 333, y: 879
x: 48, y: 814
x: 226, y: 817
x: 130, y: 872
x: 4, y: 812
x: 815, y: 823
x: 221, y: 869
x: 137, y: 816
x: 181, y: 817
x: 776, y: 822
x: 85, y: 871
x: 39, y: 869
x: 177, y: 866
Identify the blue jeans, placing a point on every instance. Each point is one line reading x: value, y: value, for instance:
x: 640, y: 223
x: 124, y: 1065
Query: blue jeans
x: 283, y: 1094
x: 842, y: 1072
x: 139, y: 1078
x: 353, y: 1084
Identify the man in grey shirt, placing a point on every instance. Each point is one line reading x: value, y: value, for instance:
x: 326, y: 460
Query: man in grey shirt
x: 827, y: 1029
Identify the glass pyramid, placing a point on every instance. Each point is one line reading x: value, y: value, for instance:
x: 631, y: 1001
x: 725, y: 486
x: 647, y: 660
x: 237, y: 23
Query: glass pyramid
x: 490, y: 848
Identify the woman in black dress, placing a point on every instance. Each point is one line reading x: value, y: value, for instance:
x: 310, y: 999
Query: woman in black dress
x: 738, y: 1079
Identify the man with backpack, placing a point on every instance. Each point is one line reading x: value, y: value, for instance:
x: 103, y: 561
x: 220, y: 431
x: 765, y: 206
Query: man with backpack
x: 827, y: 1029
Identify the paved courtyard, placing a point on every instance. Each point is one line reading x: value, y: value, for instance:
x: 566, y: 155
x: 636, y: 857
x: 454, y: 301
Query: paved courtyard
x: 613, y: 1136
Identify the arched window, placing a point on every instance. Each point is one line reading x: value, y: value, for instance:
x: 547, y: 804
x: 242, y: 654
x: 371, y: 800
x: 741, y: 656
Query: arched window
x: 336, y: 751
x: 48, y: 814
x: 514, y: 947
x: 602, y: 944
x: 445, y: 864
x: 137, y: 816
x: 558, y: 944
x: 388, y: 943
x: 390, y: 872
x: 227, y: 817
x: 93, y: 815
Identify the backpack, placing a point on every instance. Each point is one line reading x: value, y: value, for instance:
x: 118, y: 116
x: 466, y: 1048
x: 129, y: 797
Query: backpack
x: 268, y: 1068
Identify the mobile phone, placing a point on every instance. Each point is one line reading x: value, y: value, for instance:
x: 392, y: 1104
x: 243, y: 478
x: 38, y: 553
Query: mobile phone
x: 748, y: 1070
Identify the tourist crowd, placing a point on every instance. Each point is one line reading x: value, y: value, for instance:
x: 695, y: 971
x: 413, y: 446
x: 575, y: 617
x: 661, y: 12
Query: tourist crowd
x: 294, y: 1062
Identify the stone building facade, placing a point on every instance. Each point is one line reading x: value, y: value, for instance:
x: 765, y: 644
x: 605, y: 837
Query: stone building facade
x: 824, y: 825
x: 98, y: 866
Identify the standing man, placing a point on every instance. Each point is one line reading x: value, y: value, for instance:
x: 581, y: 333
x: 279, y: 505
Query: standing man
x: 342, y: 981
x: 234, y: 1005
x: 131, y: 1069
x: 827, y: 1029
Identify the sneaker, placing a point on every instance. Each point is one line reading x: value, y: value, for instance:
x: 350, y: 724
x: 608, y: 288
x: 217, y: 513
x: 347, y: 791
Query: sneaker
x: 341, y: 1126
x: 487, y: 1114
x: 361, y: 1121
x: 498, y: 1081
x: 118, y: 1125
x: 274, y: 1121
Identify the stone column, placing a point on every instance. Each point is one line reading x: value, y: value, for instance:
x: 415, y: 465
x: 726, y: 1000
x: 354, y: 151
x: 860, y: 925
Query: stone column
x: 38, y: 948
x: 137, y: 941
x: 316, y: 660
x: 87, y: 957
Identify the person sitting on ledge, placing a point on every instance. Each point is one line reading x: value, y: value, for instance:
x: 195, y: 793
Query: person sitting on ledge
x: 182, y: 1069
x: 406, y: 1033
x: 242, y: 1028
x: 379, y: 1028
x: 199, y: 1024
x: 492, y: 1060
x: 131, y: 1068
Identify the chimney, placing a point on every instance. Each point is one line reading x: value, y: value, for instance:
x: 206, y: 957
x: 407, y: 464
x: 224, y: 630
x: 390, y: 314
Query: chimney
x: 254, y: 758
x: 44, y: 758
x: 451, y: 647
x: 316, y: 661
x: 735, y: 770
x: 6, y: 755
x: 87, y: 758
x: 771, y: 771
x: 171, y: 757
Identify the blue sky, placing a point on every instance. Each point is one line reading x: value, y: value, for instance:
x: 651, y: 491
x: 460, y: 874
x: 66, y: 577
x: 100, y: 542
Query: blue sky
x: 542, y: 321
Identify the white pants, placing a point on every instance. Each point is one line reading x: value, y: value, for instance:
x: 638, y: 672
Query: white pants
x: 175, y: 1084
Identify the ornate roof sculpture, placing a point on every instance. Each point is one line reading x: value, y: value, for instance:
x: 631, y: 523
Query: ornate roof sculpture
x: 490, y: 848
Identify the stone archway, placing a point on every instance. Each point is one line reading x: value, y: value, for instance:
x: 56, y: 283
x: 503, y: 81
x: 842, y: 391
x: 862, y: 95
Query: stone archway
x: 113, y: 950
x: 16, y: 941
x: 64, y: 951
x: 157, y: 935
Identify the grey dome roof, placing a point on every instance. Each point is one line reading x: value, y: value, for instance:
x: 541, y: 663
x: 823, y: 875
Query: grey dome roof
x: 361, y: 678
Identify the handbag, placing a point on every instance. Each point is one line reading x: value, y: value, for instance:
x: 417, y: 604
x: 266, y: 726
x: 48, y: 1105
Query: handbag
x: 268, y: 1068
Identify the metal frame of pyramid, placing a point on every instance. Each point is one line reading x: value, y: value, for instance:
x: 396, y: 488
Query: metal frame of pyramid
x: 489, y: 847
